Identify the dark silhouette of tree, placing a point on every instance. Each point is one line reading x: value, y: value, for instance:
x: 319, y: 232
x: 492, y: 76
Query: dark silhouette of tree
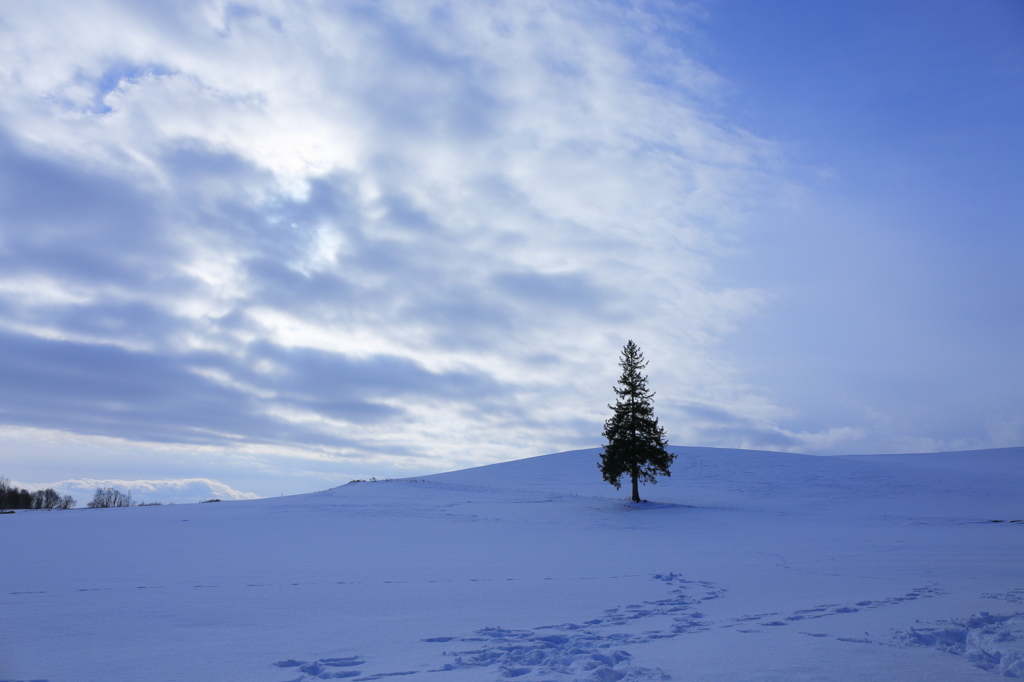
x: 636, y: 444
x: 110, y: 497
x: 51, y: 499
x: 45, y: 499
x: 12, y: 497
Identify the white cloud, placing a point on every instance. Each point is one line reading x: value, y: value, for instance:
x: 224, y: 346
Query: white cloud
x: 499, y: 194
x: 180, y: 490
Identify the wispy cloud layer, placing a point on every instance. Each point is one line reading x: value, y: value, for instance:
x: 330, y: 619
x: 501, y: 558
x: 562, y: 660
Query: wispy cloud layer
x: 401, y: 229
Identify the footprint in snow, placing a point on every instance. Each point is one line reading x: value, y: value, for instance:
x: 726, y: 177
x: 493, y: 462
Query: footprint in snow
x: 586, y: 651
x: 590, y: 648
x: 1013, y: 596
x: 992, y: 642
x: 826, y: 610
x: 323, y: 668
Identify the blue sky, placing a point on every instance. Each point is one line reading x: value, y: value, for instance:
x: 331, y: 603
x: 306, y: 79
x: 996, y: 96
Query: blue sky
x: 263, y: 248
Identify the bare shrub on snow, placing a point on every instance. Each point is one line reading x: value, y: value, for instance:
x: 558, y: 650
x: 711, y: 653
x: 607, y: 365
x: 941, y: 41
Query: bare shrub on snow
x: 110, y: 497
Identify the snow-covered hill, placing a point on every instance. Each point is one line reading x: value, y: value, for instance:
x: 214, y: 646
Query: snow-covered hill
x: 743, y: 566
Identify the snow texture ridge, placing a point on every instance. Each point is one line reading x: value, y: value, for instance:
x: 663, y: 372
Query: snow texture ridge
x: 991, y: 642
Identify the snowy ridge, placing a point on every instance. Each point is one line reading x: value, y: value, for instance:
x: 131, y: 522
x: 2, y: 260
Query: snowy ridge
x: 784, y: 568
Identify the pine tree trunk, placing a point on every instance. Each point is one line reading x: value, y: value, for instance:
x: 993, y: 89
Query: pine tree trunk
x: 636, y: 487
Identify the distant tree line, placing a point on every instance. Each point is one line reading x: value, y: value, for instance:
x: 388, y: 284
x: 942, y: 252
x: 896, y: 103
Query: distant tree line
x: 12, y: 497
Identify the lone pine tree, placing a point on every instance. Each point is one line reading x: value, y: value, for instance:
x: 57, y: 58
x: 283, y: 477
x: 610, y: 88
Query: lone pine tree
x: 636, y: 444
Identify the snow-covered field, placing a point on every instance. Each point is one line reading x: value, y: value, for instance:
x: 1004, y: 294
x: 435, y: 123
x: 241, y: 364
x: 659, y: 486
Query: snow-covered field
x: 744, y: 566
